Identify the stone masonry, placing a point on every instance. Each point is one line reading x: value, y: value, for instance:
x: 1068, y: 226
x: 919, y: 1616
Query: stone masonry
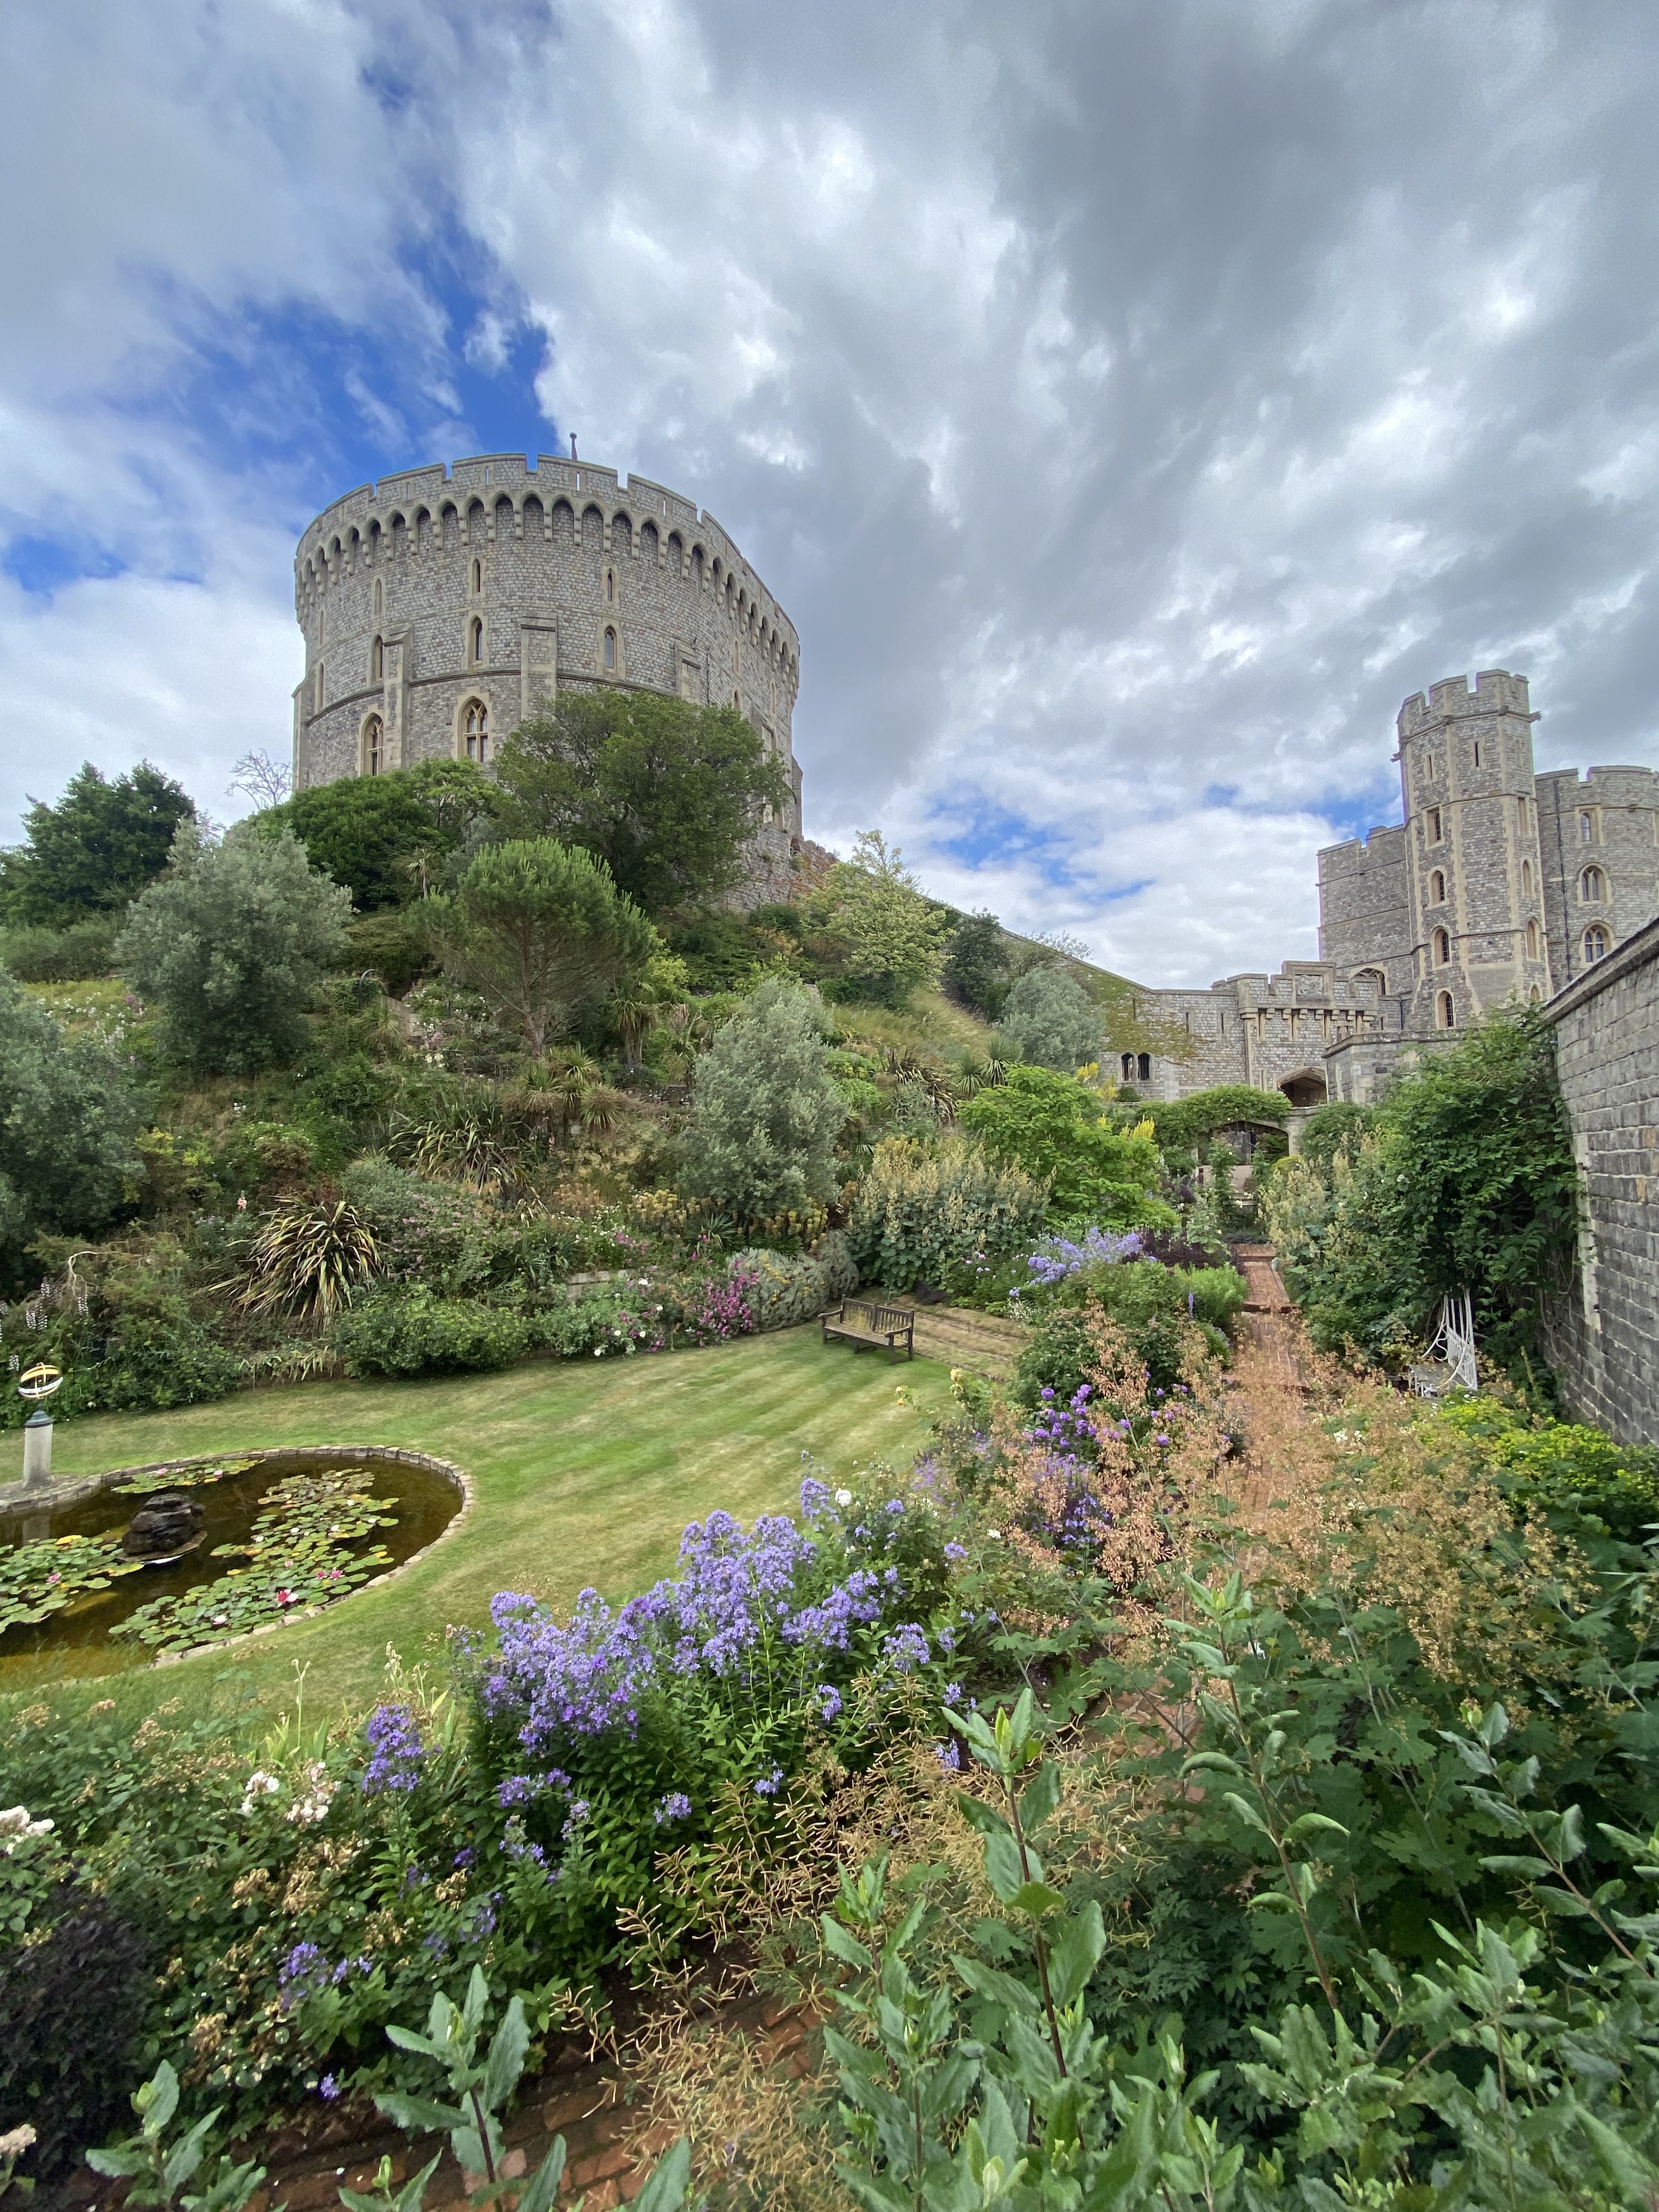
x: 442, y: 605
x: 1603, y: 1339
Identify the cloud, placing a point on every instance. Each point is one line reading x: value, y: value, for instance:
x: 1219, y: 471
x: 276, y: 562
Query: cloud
x: 1130, y: 404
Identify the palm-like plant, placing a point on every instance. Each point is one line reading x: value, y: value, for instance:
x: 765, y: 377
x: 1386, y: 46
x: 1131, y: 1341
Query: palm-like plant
x: 308, y: 1259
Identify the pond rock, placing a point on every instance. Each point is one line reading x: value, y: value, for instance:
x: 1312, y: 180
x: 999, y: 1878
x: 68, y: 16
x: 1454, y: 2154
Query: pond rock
x: 164, y: 1526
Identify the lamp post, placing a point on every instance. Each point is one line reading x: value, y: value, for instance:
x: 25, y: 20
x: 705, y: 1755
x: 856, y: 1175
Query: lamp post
x: 37, y: 1384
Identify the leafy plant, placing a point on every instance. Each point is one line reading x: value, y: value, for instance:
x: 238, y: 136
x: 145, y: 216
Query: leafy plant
x: 101, y: 843
x: 1049, y: 1020
x: 1050, y: 1125
x: 765, y: 1112
x: 39, y: 1579
x: 479, y: 2086
x: 157, y: 2173
x: 414, y: 1332
x: 922, y: 1212
x: 309, y: 1260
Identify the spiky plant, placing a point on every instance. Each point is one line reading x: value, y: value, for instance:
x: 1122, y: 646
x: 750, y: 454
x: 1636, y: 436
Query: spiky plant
x: 465, y: 1135
x: 308, y: 1259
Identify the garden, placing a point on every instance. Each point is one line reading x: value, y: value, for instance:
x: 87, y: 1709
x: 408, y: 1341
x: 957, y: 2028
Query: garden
x: 1183, y: 1771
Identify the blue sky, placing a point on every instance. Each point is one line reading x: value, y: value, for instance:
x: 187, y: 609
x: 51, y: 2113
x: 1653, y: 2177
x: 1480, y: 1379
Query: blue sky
x: 1131, y: 406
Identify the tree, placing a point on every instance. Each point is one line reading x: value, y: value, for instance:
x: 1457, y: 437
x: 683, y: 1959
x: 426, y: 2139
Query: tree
x: 68, y: 1116
x: 885, y: 938
x: 976, y: 965
x: 540, y: 931
x: 664, y: 792
x: 1050, y: 1125
x: 387, y: 837
x: 766, y: 1111
x: 230, y: 944
x: 96, y: 849
x: 255, y: 775
x: 1050, y: 1021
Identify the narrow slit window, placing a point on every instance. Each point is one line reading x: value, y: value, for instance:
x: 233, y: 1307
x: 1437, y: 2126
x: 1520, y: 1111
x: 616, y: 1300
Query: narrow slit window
x: 475, y: 640
x: 1442, y: 944
x: 611, y: 648
x: 1434, y: 825
x: 1445, y: 1013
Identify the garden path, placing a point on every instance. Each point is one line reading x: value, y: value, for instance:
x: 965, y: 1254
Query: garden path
x: 1271, y: 1378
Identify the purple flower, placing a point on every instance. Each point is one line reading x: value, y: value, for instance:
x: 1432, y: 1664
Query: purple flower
x: 768, y: 1784
x: 305, y: 1971
x: 465, y: 1857
x: 676, y: 1805
x: 828, y: 1698
x: 396, y: 1749
x: 906, y: 1649
x: 328, y: 2089
x: 576, y: 1817
x: 955, y: 1554
x: 953, y: 1693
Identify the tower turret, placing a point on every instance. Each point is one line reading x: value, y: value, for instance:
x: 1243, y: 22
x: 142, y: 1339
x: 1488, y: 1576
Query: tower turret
x: 1474, y: 882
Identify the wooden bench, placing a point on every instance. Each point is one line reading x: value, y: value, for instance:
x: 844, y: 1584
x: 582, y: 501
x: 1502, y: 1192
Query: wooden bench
x: 859, y: 1322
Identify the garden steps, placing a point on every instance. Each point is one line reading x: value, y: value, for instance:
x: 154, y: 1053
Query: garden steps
x: 960, y: 1336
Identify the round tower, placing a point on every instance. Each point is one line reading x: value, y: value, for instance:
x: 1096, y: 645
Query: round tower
x: 1474, y: 883
x: 442, y: 606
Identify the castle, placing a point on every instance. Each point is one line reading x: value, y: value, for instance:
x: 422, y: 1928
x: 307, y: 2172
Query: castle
x: 442, y: 605
x: 1501, y: 885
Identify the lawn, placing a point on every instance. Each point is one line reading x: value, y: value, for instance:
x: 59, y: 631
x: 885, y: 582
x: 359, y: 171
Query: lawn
x: 587, y: 1472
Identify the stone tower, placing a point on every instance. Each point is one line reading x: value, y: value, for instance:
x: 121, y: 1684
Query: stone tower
x: 442, y: 606
x: 1473, y: 878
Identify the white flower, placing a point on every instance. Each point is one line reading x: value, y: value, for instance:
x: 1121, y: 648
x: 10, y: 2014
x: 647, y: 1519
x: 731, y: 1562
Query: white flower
x: 15, y: 1827
x: 259, y: 1785
x: 995, y: 1535
x: 843, y: 1497
x: 16, y: 2141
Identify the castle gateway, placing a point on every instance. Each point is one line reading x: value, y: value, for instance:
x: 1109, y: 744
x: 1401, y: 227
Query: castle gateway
x: 442, y: 607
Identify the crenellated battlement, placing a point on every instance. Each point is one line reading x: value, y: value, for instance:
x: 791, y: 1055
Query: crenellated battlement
x: 1496, y: 692
x: 489, y: 497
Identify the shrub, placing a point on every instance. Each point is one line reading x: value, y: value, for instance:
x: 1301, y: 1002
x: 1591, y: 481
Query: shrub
x: 230, y: 944
x: 68, y: 1116
x: 882, y: 938
x: 413, y: 1331
x: 977, y: 966
x: 1050, y: 1021
x: 1556, y: 1465
x: 386, y: 837
x: 1050, y: 1124
x: 75, y: 955
x: 139, y: 1348
x: 308, y: 1261
x: 540, y: 932
x: 392, y: 945
x: 91, y: 853
x: 922, y: 1212
x: 71, y: 2024
x: 1154, y: 1306
x: 421, y: 1228
x: 765, y: 1112
x: 783, y: 1291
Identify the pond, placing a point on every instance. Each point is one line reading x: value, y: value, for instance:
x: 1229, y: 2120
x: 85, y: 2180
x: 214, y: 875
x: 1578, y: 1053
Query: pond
x: 157, y: 1561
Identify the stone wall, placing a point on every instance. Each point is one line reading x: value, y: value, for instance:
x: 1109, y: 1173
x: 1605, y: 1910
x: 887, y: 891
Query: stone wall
x: 1600, y: 835
x: 440, y: 606
x: 1603, y: 1339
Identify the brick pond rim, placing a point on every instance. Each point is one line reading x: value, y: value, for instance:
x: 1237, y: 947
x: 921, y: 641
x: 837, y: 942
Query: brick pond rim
x: 79, y: 1490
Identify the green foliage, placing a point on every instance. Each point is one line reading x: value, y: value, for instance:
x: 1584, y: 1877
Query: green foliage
x: 922, y: 1212
x: 83, y: 950
x: 977, y: 966
x: 1562, y: 1467
x: 882, y: 938
x: 68, y: 1116
x: 785, y: 1291
x: 1187, y: 1124
x: 392, y: 945
x: 414, y: 1332
x: 1152, y: 1303
x: 386, y: 837
x: 157, y: 2173
x: 1335, y: 1127
x: 765, y: 1111
x: 308, y: 1261
x: 1468, y: 1184
x: 663, y: 792
x: 540, y: 930
x: 1050, y: 1021
x: 1050, y: 1124
x: 39, y: 1579
x: 230, y: 944
x: 96, y: 849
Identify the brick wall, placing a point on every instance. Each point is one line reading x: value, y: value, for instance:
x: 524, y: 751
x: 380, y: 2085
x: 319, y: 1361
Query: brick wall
x: 1603, y: 1339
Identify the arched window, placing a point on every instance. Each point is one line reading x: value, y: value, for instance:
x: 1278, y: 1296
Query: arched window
x: 1596, y: 944
x: 1591, y: 887
x: 1586, y: 828
x: 377, y: 661
x: 1526, y: 878
x: 1374, y: 975
x: 1128, y: 1060
x: 475, y: 640
x: 1436, y: 888
x: 1532, y: 940
x: 1534, y: 997
x: 1442, y: 944
x: 477, y: 578
x: 1445, y: 1014
x: 611, y: 648
x: 373, y: 746
x: 1434, y: 825
x: 1143, y: 1066
x: 475, y: 730
x: 379, y: 598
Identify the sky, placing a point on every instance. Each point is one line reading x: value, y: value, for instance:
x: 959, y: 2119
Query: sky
x: 1131, y: 402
